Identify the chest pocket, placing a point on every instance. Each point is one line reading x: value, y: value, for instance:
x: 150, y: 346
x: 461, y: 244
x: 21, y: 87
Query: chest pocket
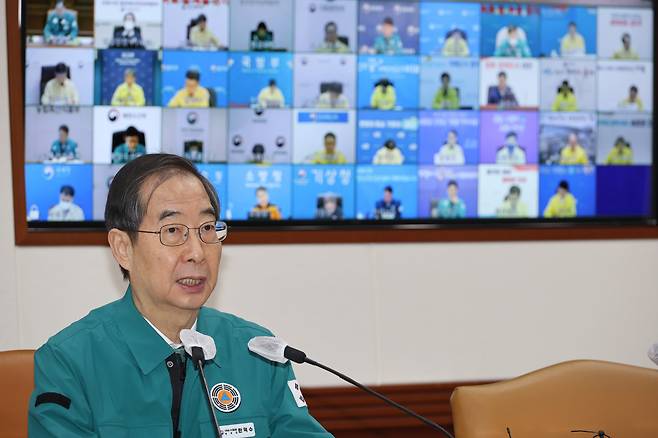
x: 244, y: 427
x: 112, y: 431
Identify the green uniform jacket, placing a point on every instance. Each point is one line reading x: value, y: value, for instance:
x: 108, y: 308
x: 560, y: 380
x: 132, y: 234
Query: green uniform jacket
x: 111, y: 366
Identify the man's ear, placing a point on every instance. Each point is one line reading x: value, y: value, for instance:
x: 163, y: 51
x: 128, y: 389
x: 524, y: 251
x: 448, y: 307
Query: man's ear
x: 122, y: 248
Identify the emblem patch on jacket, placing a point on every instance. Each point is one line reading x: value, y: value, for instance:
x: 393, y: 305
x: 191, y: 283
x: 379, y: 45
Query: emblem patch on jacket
x: 296, y: 391
x: 225, y: 397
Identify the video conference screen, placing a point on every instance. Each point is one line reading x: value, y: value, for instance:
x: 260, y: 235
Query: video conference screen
x: 345, y: 110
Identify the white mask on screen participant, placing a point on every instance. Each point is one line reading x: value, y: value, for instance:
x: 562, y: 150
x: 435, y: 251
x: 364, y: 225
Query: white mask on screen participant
x: 129, y: 26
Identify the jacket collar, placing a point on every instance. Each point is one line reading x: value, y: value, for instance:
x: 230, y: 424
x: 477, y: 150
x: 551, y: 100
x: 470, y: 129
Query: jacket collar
x: 146, y: 346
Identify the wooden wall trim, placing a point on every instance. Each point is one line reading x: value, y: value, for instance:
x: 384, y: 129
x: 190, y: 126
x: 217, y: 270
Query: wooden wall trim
x: 349, y: 412
x: 16, y: 123
x: 381, y: 235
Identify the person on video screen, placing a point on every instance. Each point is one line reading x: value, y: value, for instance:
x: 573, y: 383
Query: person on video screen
x: 633, y: 101
x: 201, y: 36
x: 330, y: 209
x: 388, y: 41
x: 390, y: 153
x: 383, y: 96
x: 511, y: 152
x: 257, y: 154
x: 388, y: 208
x: 329, y: 154
x: 130, y: 149
x: 331, y: 42
x: 451, y: 153
x: 61, y: 25
x: 502, y: 94
x: 264, y: 209
x: 128, y: 35
x: 626, y: 52
x: 455, y: 44
x: 262, y: 38
x: 194, y: 152
x: 333, y: 97
x: 271, y: 96
x: 565, y: 100
x: 192, y: 95
x: 512, y: 206
x: 64, y: 148
x: 573, y: 43
x: 60, y: 90
x: 66, y: 209
x: 513, y: 44
x: 573, y: 153
x: 129, y: 93
x: 450, y: 207
x: 562, y: 204
x: 621, y: 153
x: 446, y: 97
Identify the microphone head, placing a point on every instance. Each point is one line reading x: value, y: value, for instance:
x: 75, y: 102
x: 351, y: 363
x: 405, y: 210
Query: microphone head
x: 653, y: 353
x: 294, y: 354
x: 269, y: 347
x: 192, y: 338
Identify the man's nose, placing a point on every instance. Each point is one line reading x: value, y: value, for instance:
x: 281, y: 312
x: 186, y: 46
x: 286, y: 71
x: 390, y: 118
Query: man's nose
x: 193, y: 248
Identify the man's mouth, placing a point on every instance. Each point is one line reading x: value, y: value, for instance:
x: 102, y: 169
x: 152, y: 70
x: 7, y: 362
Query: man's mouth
x: 190, y: 281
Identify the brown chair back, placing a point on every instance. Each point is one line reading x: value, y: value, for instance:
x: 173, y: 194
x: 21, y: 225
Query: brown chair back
x: 621, y: 400
x: 16, y: 384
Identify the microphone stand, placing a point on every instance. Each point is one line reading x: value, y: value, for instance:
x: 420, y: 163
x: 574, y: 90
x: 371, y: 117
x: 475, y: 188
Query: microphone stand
x: 382, y: 397
x: 599, y: 434
x: 198, y: 357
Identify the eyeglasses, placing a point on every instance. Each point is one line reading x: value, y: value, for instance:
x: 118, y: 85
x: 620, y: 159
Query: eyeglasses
x: 177, y: 234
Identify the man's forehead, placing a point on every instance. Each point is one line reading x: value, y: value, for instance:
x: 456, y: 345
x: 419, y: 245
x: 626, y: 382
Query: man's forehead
x: 181, y: 193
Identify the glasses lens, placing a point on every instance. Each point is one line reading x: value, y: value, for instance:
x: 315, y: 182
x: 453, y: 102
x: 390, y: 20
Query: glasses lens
x: 212, y: 232
x: 221, y: 231
x: 173, y: 234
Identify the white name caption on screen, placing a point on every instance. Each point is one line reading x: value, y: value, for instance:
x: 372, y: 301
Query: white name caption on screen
x: 242, y: 430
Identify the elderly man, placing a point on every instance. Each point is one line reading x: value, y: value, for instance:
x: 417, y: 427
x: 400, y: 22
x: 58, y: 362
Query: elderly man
x: 120, y: 371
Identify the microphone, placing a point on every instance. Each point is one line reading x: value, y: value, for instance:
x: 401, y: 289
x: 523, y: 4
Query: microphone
x: 597, y: 434
x: 202, y: 348
x: 653, y: 353
x: 277, y: 350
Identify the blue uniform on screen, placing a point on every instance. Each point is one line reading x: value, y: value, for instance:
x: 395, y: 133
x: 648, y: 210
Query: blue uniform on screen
x: 388, y: 208
x: 502, y: 94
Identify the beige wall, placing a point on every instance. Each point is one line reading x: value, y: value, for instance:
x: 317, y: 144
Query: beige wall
x: 382, y: 313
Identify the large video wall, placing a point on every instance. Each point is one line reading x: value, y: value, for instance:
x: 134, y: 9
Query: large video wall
x: 345, y: 109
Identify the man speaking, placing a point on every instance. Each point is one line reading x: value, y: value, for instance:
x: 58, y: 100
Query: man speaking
x: 121, y: 372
